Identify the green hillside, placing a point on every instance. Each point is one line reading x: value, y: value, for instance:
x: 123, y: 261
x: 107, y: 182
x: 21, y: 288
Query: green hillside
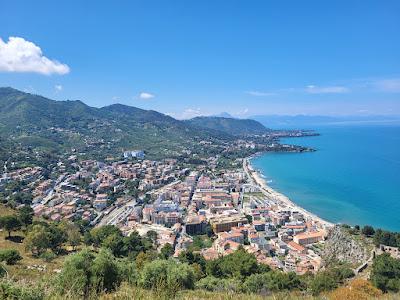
x: 231, y: 126
x: 33, y: 121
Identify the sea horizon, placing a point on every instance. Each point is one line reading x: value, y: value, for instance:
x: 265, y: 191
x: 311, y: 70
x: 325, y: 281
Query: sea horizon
x: 351, y: 178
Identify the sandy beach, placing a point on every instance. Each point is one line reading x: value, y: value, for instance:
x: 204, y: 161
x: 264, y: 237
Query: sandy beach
x: 256, y: 178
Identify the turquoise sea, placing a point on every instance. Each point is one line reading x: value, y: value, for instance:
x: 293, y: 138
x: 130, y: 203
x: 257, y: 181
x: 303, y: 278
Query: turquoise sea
x: 352, y: 178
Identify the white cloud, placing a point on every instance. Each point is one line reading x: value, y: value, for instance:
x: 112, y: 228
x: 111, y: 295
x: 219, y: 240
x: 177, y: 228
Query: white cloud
x: 312, y: 89
x: 58, y: 88
x: 259, y: 94
x: 146, y: 96
x: 19, y: 55
x: 191, y: 113
x: 388, y: 85
x: 242, y: 112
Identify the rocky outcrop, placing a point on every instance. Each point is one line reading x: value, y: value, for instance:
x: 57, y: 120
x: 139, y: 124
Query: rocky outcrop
x: 341, y: 246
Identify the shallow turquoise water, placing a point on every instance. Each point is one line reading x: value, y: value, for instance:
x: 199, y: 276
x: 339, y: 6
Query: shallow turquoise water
x: 353, y: 178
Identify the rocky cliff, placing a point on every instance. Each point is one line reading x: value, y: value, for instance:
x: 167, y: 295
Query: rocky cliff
x: 341, y: 246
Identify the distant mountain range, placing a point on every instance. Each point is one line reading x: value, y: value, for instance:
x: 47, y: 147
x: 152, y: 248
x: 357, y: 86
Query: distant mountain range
x: 224, y: 115
x: 305, y: 121
x: 35, y: 121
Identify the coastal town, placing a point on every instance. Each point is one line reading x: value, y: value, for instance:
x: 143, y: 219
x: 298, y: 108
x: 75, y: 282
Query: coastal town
x: 208, y: 210
x: 199, y: 150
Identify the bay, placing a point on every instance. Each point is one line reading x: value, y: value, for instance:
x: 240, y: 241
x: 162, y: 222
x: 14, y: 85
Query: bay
x: 352, y: 178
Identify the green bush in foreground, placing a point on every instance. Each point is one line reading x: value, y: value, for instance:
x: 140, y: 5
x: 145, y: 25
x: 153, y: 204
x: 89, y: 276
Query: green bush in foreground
x: 12, y: 291
x: 385, y: 274
x: 167, y: 275
x: 10, y: 256
x: 86, y: 273
x: 213, y: 284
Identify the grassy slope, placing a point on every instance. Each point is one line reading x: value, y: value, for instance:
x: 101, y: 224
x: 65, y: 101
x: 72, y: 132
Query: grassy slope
x: 20, y: 270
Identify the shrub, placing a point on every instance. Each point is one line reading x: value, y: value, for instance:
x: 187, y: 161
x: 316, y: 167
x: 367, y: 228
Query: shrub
x: 11, y: 290
x: 322, y: 282
x: 167, y: 275
x: 368, y: 230
x: 10, y: 256
x: 47, y: 256
x: 239, y: 264
x: 105, y: 272
x: 85, y: 273
x: 37, y: 239
x: 213, y: 284
x: 385, y: 274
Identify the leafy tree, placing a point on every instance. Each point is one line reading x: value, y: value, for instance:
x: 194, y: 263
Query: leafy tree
x: 386, y: 238
x: 57, y: 236
x: 255, y: 283
x: 180, y: 275
x: 340, y: 273
x: 198, y: 271
x: 25, y: 215
x: 144, y: 257
x: 115, y: 243
x: 10, y: 256
x: 97, y: 235
x: 152, y: 236
x: 368, y: 230
x: 83, y: 225
x: 239, y: 264
x: 167, y: 275
x: 74, y: 238
x: 73, y: 233
x: 134, y: 244
x: 154, y: 275
x: 385, y: 274
x: 249, y: 219
x: 37, y: 239
x: 322, y: 282
x: 128, y: 271
x: 192, y: 258
x: 76, y: 275
x: 10, y: 223
x: 166, y: 251
x: 21, y: 198
x: 86, y: 273
x: 105, y: 272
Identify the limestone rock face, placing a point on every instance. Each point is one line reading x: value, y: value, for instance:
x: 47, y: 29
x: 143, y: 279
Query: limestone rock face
x: 342, y: 246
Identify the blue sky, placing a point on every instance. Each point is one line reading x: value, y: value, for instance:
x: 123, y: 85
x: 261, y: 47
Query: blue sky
x: 188, y: 58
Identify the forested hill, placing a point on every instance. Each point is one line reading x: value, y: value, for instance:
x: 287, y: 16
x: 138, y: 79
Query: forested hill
x: 40, y: 123
x: 230, y: 126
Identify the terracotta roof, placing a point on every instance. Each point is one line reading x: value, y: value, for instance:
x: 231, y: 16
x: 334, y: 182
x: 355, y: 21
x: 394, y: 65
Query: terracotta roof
x: 296, y: 246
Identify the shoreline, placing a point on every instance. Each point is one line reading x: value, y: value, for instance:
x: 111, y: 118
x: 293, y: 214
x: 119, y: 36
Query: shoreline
x: 256, y: 178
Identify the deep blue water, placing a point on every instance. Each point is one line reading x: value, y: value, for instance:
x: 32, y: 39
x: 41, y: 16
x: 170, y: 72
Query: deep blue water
x: 352, y: 178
